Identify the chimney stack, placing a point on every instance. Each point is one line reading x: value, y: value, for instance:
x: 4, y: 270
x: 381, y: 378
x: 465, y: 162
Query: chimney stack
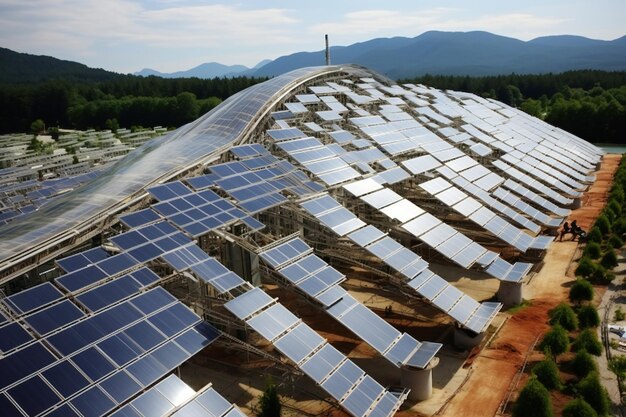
x: 327, y: 50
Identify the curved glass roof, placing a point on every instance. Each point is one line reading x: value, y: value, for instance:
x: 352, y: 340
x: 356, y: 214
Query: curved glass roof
x: 219, y: 128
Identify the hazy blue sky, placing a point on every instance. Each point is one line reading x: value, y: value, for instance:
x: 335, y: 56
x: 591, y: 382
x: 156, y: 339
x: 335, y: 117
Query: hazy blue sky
x: 171, y: 35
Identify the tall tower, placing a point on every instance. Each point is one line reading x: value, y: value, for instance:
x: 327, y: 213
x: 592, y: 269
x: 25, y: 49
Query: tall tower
x: 327, y: 50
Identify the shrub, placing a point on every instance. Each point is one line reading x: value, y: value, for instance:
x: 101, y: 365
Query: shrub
x: 578, y: 408
x: 533, y: 400
x: 603, y: 224
x: 588, y: 317
x: 594, y: 393
x: 585, y: 268
x: 619, y: 314
x: 617, y: 364
x: 619, y: 226
x: 269, y: 401
x: 600, y: 275
x: 547, y: 373
x: 564, y: 316
x: 582, y: 290
x: 583, y: 363
x: 595, y: 235
x: 614, y: 206
x: 615, y: 242
x: 609, y: 259
x: 555, y: 341
x: 588, y: 340
x: 592, y: 250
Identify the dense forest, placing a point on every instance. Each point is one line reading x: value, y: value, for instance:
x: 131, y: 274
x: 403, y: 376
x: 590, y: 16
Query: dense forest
x: 589, y: 104
x: 127, y: 99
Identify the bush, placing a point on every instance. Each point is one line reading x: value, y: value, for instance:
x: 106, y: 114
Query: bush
x: 564, y: 316
x: 617, y: 364
x: 619, y: 314
x: 592, y: 250
x: 585, y: 268
x: 595, y: 235
x: 582, y: 290
x: 594, y: 393
x: 619, y: 226
x: 547, y: 373
x: 609, y: 259
x: 533, y: 400
x: 614, y: 206
x: 600, y: 275
x: 583, y: 363
x: 615, y: 242
x: 555, y: 341
x: 269, y: 401
x: 588, y: 317
x: 588, y: 340
x: 578, y: 408
x: 603, y: 224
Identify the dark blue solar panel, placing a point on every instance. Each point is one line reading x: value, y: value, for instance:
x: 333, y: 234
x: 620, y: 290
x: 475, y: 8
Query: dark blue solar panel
x: 120, y: 348
x: 63, y: 411
x: 13, y: 335
x: 146, y: 252
x: 32, y: 298
x: 144, y: 335
x: 168, y: 191
x: 81, y: 278
x: 204, y: 181
x: 93, y: 402
x: 170, y: 355
x: 195, y: 200
x: 3, y: 318
x: 145, y: 276
x: 146, y: 370
x: 34, y: 396
x: 165, y: 208
x: 139, y: 218
x: 153, y: 300
x: 54, y: 317
x: 120, y: 386
x: 117, y: 263
x: 113, y: 319
x: 107, y: 294
x: 65, y: 378
x: 174, y: 319
x: 95, y: 254
x: 252, y: 223
x: 93, y: 363
x: 75, y: 337
x: 129, y: 239
x: 7, y: 408
x: 24, y: 362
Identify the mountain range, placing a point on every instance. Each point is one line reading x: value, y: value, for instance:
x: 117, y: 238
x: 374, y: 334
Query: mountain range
x: 442, y: 53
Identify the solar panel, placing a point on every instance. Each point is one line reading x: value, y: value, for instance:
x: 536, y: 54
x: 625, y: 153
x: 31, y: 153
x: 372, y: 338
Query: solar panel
x: 273, y: 321
x: 32, y: 298
x: 248, y: 303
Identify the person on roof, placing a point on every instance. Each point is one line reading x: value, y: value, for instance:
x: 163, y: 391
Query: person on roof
x: 565, y: 230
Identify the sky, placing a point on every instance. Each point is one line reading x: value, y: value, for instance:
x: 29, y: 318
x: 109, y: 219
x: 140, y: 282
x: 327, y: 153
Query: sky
x: 173, y: 35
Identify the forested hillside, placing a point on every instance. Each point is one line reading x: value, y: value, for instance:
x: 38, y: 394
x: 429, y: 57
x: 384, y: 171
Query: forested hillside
x: 130, y: 100
x: 589, y: 104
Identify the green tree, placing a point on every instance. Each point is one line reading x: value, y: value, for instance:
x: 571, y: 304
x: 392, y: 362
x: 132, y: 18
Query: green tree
x: 532, y: 107
x: 594, y: 393
x: 595, y: 235
x: 563, y: 315
x: 581, y: 290
x: 588, y: 317
x: 609, y: 259
x: 533, y: 401
x: 37, y: 127
x: 592, y: 250
x: 588, y: 340
x: 583, y: 363
x: 547, y: 373
x: 585, y: 268
x: 112, y: 125
x: 615, y: 242
x: 270, y: 402
x: 555, y: 341
x: 578, y: 408
x: 617, y: 365
x: 603, y: 224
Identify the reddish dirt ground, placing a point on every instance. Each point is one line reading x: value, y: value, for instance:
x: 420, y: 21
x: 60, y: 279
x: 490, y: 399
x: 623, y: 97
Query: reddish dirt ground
x: 495, y: 368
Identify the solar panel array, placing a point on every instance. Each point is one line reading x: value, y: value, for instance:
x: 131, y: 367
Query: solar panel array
x: 58, y: 359
x: 461, y: 307
x: 294, y: 260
